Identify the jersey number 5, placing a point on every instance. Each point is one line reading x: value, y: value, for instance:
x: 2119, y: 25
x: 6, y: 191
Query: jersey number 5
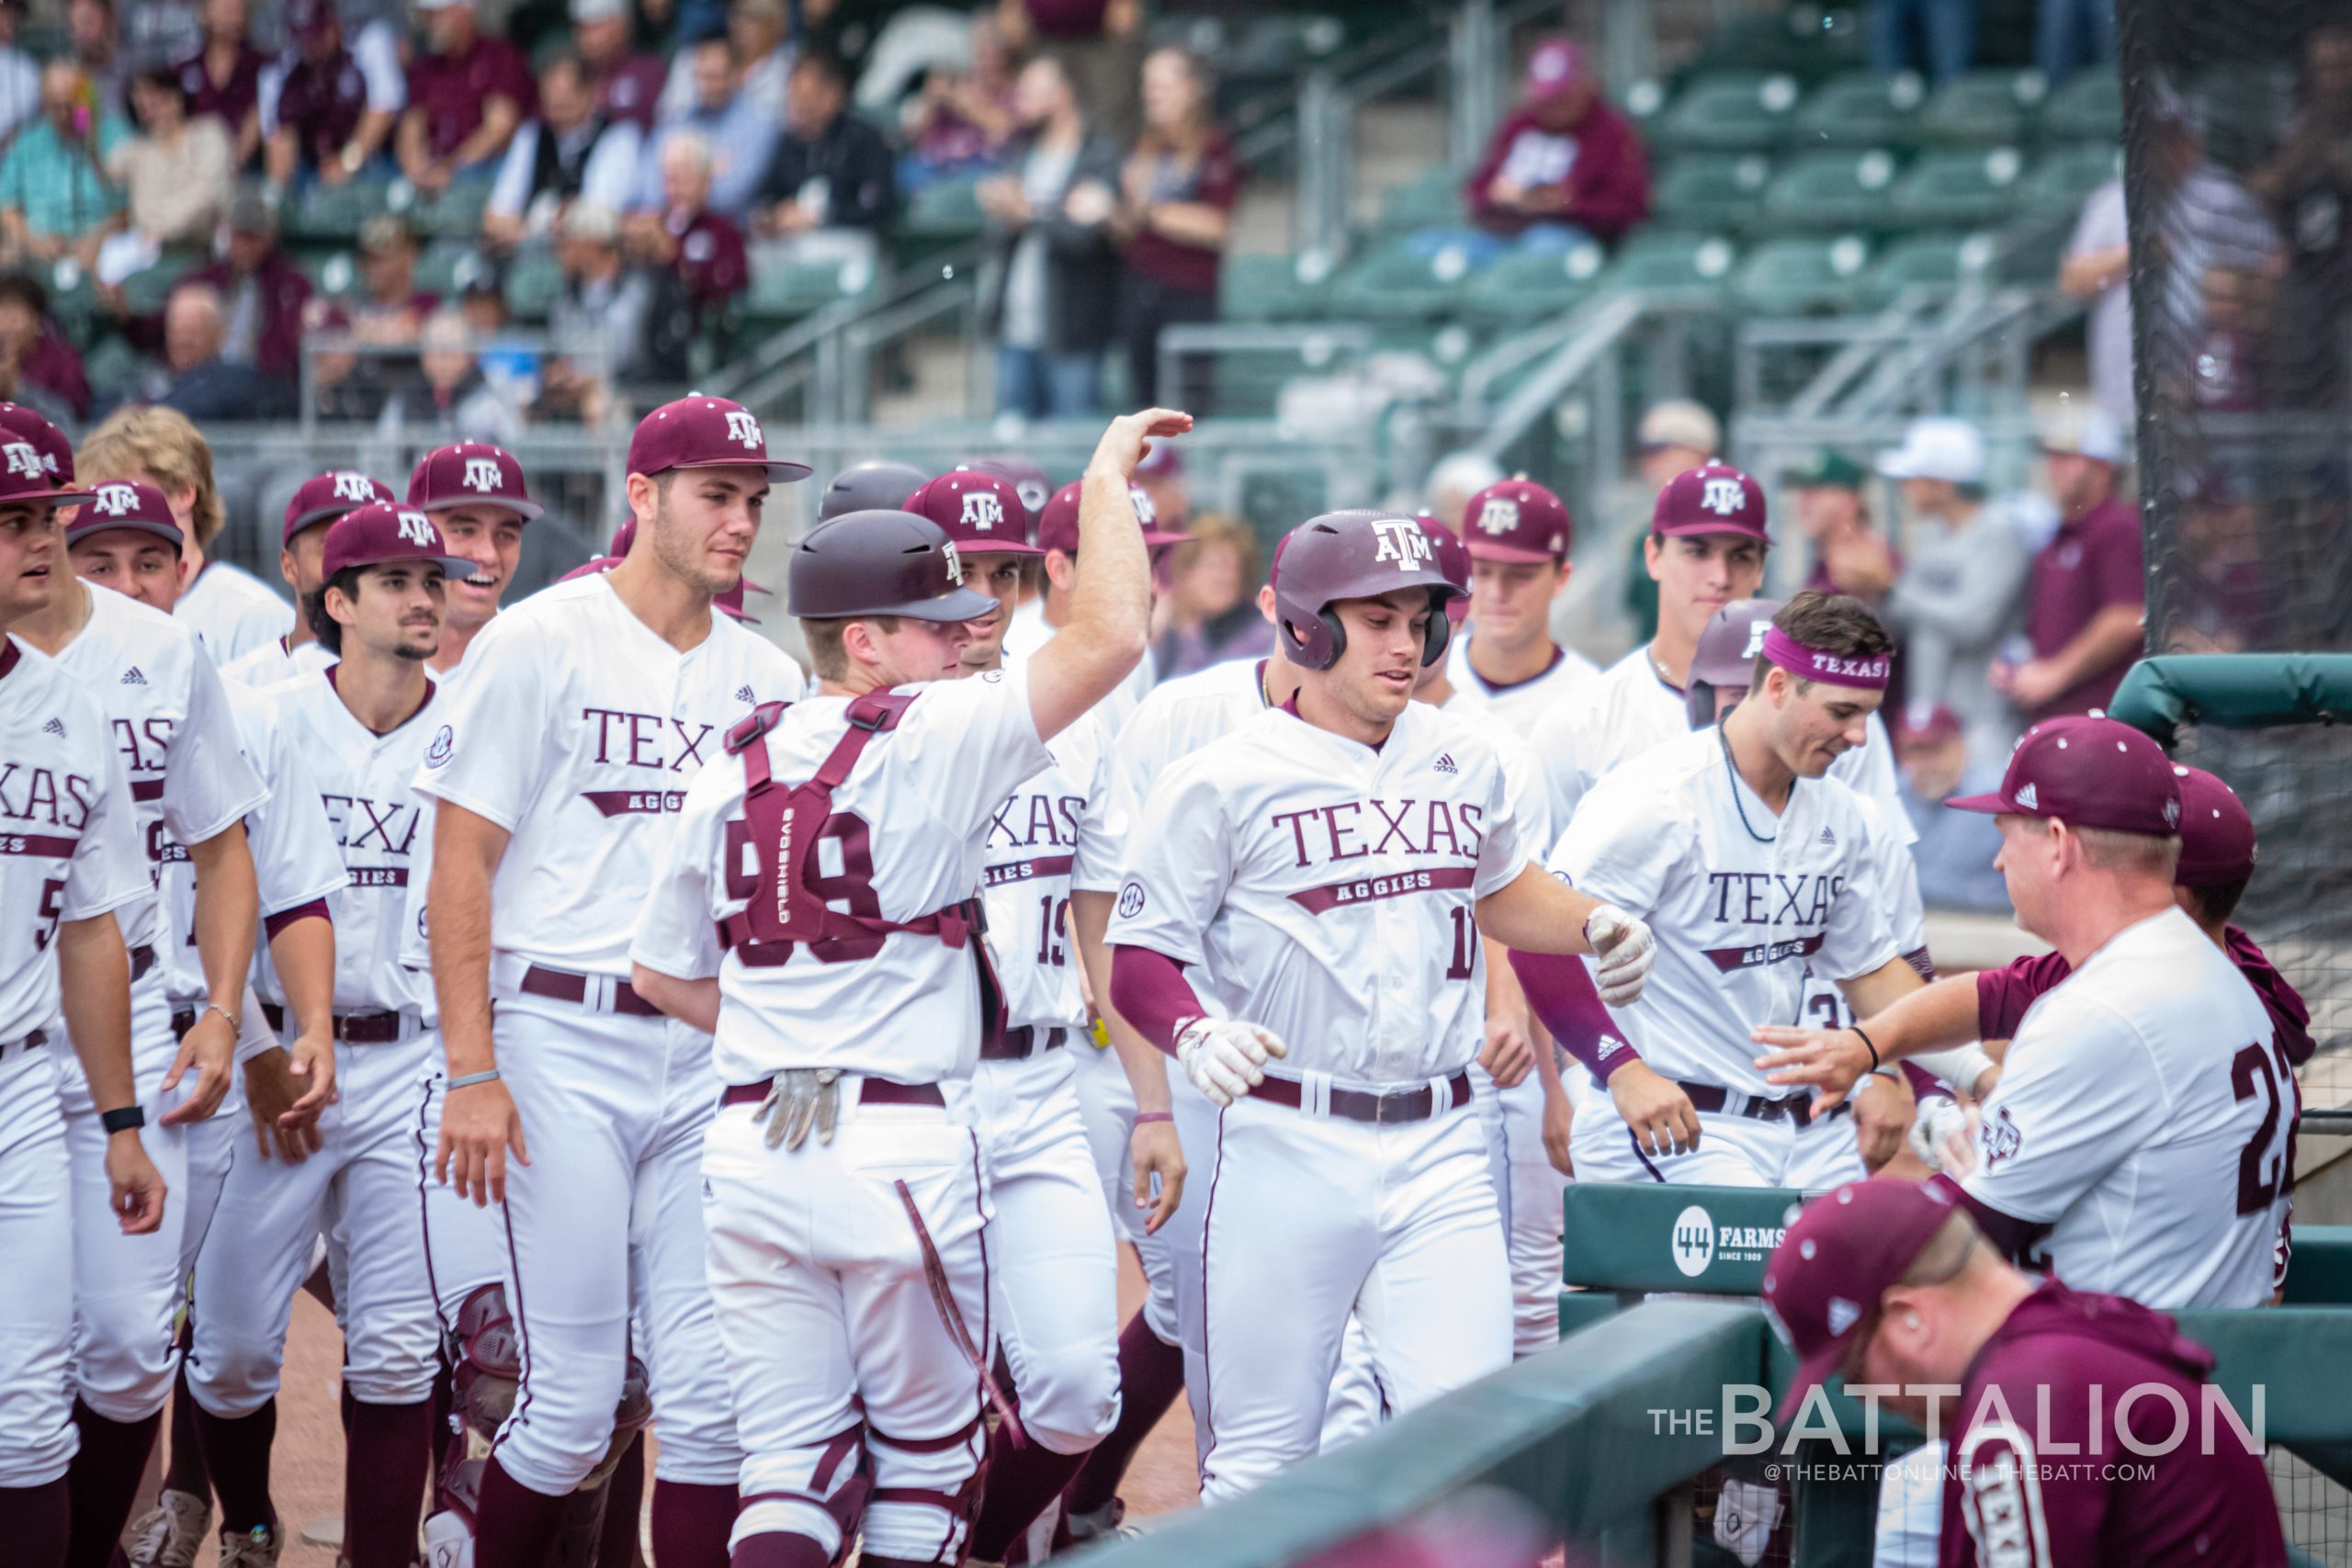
x: 52, y: 906
x: 2260, y: 1173
x: 850, y: 888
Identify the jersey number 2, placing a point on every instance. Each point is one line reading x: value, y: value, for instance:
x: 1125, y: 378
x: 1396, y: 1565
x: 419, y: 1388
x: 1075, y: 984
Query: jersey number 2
x: 2259, y: 1175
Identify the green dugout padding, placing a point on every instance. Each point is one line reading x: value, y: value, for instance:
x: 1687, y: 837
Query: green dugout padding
x: 2235, y: 691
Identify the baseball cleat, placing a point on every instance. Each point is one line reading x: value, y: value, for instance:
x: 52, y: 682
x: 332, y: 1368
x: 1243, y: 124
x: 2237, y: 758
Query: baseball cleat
x: 256, y: 1547
x: 170, y: 1533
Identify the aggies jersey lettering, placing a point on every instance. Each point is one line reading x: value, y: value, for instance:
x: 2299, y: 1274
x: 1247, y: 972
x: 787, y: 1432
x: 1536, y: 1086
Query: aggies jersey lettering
x: 578, y: 730
x: 1051, y: 834
x: 1330, y: 889
x: 2142, y: 1114
x: 69, y: 839
x: 903, y: 840
x: 1739, y: 919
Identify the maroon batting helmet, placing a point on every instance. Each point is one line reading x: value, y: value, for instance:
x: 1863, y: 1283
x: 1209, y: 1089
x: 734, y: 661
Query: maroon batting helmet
x: 1725, y: 656
x: 877, y: 486
x: 1454, y: 559
x: 1353, y: 555
x: 881, y: 563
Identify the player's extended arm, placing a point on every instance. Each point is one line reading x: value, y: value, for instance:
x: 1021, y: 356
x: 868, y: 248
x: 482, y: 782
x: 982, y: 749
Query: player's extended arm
x: 1514, y: 1040
x: 1153, y: 1147
x: 691, y: 1002
x: 93, y: 971
x: 479, y: 1124
x: 1537, y: 912
x: 1110, y: 598
x: 1657, y: 1107
x: 1920, y: 1019
x: 286, y: 1088
x: 1225, y: 1058
x: 228, y: 908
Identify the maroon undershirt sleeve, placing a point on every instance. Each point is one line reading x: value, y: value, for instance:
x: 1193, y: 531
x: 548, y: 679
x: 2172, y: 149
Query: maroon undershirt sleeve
x: 1150, y: 992
x: 2010, y: 1236
x: 315, y: 910
x: 2003, y: 994
x: 1559, y: 987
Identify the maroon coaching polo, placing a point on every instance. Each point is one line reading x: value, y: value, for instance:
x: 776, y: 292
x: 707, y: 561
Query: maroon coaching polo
x: 452, y: 88
x: 2094, y: 561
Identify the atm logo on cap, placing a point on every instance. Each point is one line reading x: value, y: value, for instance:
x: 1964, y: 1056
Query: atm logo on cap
x: 481, y: 474
x: 354, y: 488
x: 1146, y: 510
x: 416, y: 529
x: 1723, y: 497
x: 982, y: 509
x: 115, y: 501
x: 955, y: 565
x: 1404, y: 543
x: 742, y: 427
x: 22, y: 459
x: 1500, y: 515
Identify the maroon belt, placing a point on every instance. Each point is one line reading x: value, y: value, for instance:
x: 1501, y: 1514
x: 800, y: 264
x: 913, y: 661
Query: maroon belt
x: 870, y: 1091
x: 564, y: 985
x: 1362, y: 1105
x: 1796, y: 1108
x: 351, y: 1028
x: 32, y: 1042
x: 142, y: 958
x: 1019, y: 1044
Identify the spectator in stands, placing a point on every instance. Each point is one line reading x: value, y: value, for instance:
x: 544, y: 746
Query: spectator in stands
x: 223, y: 79
x: 1954, y: 850
x: 195, y: 378
x: 38, y: 367
x: 2071, y: 34
x: 455, y: 400
x: 1673, y: 437
x: 1101, y: 43
x: 962, y: 119
x: 19, y: 76
x: 1209, y: 613
x: 55, y: 199
x: 2089, y: 595
x: 1959, y: 595
x: 830, y: 170
x: 465, y: 99
x: 628, y: 84
x: 94, y: 42
x: 391, y: 310
x: 1176, y: 215
x: 264, y: 297
x: 1052, y: 294
x: 1566, y: 167
x: 1455, y: 477
x: 757, y: 30
x: 702, y: 249
x: 1849, y: 556
x: 2097, y: 270
x: 599, y: 321
x: 571, y: 153
x: 176, y: 173
x: 738, y: 134
x: 327, y: 111
x: 1936, y: 38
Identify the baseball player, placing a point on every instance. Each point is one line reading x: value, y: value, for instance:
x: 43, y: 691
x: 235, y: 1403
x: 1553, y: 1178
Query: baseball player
x: 316, y: 502
x: 474, y: 492
x: 365, y: 722
x: 2151, y: 1082
x: 818, y: 909
x: 1518, y: 535
x: 1036, y: 621
x: 70, y: 841
x: 624, y: 683
x: 876, y: 486
x: 191, y: 788
x: 1752, y: 864
x: 1352, y: 822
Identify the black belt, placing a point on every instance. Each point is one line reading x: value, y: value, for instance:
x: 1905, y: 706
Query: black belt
x: 564, y: 985
x: 1016, y: 1044
x: 351, y: 1028
x: 142, y: 958
x: 1362, y: 1105
x: 1797, y: 1108
x: 32, y: 1042
x: 870, y: 1091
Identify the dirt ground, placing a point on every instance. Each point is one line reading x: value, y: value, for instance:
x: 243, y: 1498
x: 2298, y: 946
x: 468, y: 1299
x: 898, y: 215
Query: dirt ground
x: 307, y: 1464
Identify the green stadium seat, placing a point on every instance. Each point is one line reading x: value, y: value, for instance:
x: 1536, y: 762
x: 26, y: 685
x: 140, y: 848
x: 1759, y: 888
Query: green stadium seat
x: 1527, y: 286
x: 1954, y: 190
x: 1737, y: 111
x: 2088, y: 107
x: 1860, y: 109
x: 455, y: 214
x: 1274, y: 288
x: 1927, y: 261
x: 1395, y: 280
x: 1709, y: 191
x: 1804, y: 41
x: 446, y: 267
x: 783, y: 290
x: 1827, y: 192
x: 533, y: 281
x: 144, y: 292
x: 1431, y: 201
x: 2063, y: 179
x: 336, y: 212
x: 1679, y: 269
x: 946, y: 209
x: 1983, y: 109
x: 73, y: 297
x: 331, y: 273
x: 1794, y: 277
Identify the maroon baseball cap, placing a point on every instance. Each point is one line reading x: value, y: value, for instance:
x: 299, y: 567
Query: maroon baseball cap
x: 981, y: 512
x: 379, y: 532
x: 1713, y: 498
x: 31, y: 424
x: 698, y: 432
x: 1823, y: 1282
x: 1556, y: 65
x: 1057, y: 524
x: 306, y: 16
x: 2090, y: 772
x: 472, y: 473
x: 1921, y: 726
x: 125, y: 504
x: 730, y: 603
x: 1517, y: 520
x: 325, y: 497
x: 2217, y: 847
x: 1452, y: 559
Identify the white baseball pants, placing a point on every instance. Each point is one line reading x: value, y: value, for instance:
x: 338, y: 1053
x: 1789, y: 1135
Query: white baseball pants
x: 1107, y: 1103
x: 1529, y: 1191
x: 465, y: 1242
x: 36, y: 1219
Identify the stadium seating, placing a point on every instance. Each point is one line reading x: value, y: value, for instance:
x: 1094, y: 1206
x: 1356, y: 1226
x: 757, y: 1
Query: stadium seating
x: 2089, y: 108
x: 1434, y: 200
x: 1403, y: 279
x: 1700, y: 189
x: 1793, y: 277
x: 1950, y: 190
x: 1861, y: 108
x: 1690, y: 270
x: 1273, y: 288
x: 786, y: 289
x: 1527, y: 285
x: 1818, y: 192
x: 1737, y: 111
x: 1925, y: 261
x: 1983, y: 109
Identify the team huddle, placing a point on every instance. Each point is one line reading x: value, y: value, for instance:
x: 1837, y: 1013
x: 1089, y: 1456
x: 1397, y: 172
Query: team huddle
x: 639, y: 1097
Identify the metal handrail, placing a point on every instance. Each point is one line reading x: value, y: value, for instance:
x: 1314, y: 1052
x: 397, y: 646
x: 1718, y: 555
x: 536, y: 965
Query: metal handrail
x: 1598, y: 326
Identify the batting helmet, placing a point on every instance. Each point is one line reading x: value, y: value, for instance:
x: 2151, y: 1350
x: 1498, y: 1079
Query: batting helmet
x: 1454, y: 559
x: 881, y: 563
x: 1353, y: 555
x: 1725, y: 656
x: 870, y: 487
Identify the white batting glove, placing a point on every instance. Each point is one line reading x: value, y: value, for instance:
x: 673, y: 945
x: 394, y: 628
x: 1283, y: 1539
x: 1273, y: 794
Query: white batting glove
x: 1225, y: 1058
x: 1940, y: 1131
x: 1623, y: 950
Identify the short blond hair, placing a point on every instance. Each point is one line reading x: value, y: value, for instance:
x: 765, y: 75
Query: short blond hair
x: 823, y: 635
x: 159, y: 445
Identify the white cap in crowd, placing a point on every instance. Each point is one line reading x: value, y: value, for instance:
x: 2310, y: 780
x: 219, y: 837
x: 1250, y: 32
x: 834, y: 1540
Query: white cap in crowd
x: 1947, y: 449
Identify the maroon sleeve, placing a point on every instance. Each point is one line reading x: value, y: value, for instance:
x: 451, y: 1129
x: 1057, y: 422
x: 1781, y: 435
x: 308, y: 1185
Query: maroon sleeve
x: 1219, y: 180
x: 2122, y: 573
x: 1559, y: 987
x: 277, y: 924
x: 2003, y: 994
x: 1611, y: 185
x: 1149, y: 989
x: 1924, y: 1084
x: 511, y: 79
x: 2013, y: 1238
x: 2289, y: 1016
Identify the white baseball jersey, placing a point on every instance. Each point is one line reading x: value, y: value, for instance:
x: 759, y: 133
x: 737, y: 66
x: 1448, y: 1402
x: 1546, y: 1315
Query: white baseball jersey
x: 1631, y: 708
x: 904, y: 840
x: 2143, y: 1114
x: 1522, y: 703
x: 1050, y: 835
x: 232, y: 611
x: 1824, y: 1006
x: 1738, y: 917
x: 578, y: 729
x: 70, y: 844
x: 1027, y: 632
x: 1330, y: 889
x: 273, y: 662
x: 1177, y: 720
x: 295, y: 861
x: 365, y: 784
x: 169, y: 713
x: 1530, y: 799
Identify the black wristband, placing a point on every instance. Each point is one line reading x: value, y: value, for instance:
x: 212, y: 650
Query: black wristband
x: 1867, y: 1043
x: 128, y: 1119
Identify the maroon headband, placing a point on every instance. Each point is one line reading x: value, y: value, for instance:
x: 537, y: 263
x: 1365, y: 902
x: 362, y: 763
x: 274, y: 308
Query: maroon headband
x: 1835, y: 669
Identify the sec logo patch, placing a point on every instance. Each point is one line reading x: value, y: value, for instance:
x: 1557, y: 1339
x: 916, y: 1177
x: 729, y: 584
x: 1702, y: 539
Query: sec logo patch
x: 1131, y: 900
x: 445, y: 743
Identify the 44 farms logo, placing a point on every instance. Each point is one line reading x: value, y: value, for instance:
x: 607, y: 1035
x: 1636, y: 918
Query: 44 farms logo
x: 1697, y: 1243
